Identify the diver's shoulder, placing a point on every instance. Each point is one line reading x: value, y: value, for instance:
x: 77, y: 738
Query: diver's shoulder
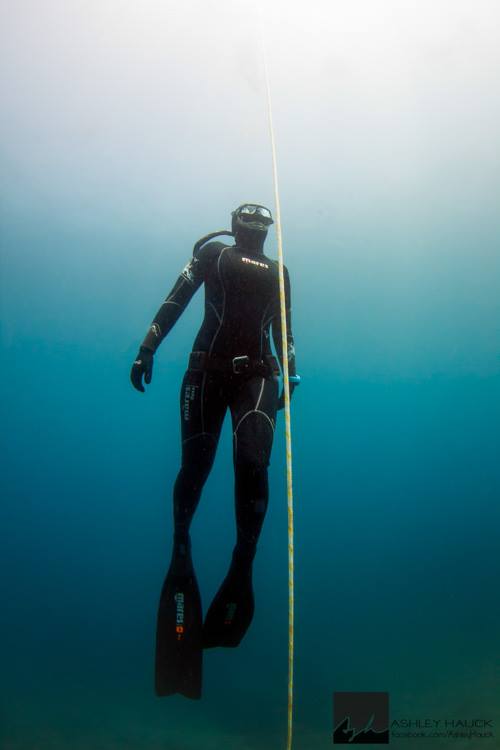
x: 210, y: 251
x: 276, y: 264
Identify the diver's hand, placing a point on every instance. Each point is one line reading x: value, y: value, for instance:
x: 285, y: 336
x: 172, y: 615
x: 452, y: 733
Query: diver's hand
x: 281, y: 400
x: 143, y: 365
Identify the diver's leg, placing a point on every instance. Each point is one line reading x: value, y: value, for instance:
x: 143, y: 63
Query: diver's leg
x: 203, y: 404
x: 254, y: 415
x: 179, y: 626
x: 253, y: 410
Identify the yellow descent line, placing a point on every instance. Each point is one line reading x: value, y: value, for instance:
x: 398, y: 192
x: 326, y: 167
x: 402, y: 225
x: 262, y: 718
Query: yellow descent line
x: 288, y: 431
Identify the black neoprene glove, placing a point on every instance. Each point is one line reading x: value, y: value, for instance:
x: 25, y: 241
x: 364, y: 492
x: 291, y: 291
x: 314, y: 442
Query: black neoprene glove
x: 281, y: 400
x: 143, y: 365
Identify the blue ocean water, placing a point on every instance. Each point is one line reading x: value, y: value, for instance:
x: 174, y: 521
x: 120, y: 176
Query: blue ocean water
x: 391, y: 238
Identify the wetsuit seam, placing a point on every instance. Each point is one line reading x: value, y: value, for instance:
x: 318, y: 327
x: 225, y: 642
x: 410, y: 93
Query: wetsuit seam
x: 183, y: 281
x: 262, y: 325
x: 254, y: 411
x: 215, y: 311
x: 223, y: 300
x: 260, y: 394
x: 198, y: 434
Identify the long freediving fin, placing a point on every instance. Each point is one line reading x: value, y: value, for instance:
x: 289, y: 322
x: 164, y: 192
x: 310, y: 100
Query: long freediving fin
x: 231, y: 612
x: 179, y: 629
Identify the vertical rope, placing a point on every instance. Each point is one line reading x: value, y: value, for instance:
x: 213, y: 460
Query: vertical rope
x: 288, y: 431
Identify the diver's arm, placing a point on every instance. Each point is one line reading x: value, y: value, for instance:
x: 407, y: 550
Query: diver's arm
x: 164, y: 320
x: 276, y: 328
x: 277, y: 338
x: 174, y: 305
x: 172, y: 308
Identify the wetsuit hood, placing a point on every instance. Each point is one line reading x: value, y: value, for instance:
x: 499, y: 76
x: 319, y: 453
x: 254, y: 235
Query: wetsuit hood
x: 250, y: 223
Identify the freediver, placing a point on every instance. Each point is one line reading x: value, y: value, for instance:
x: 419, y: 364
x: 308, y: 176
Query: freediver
x: 230, y: 366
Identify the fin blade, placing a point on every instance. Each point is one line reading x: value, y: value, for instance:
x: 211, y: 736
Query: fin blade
x: 230, y: 614
x: 178, y: 667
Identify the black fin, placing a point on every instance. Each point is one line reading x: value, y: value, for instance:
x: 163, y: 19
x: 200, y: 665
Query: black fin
x: 231, y: 612
x: 179, y: 630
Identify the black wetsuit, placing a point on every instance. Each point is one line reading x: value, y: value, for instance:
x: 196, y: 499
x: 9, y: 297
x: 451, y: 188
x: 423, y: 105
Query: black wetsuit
x: 241, y: 308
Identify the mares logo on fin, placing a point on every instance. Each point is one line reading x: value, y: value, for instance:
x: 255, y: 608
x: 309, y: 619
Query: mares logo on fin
x: 230, y: 613
x: 179, y: 615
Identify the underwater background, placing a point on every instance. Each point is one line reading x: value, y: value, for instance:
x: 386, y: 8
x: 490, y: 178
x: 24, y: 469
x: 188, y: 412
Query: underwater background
x: 129, y: 130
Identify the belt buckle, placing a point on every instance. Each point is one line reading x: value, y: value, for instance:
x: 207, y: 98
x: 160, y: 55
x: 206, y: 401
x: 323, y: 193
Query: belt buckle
x: 240, y: 364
